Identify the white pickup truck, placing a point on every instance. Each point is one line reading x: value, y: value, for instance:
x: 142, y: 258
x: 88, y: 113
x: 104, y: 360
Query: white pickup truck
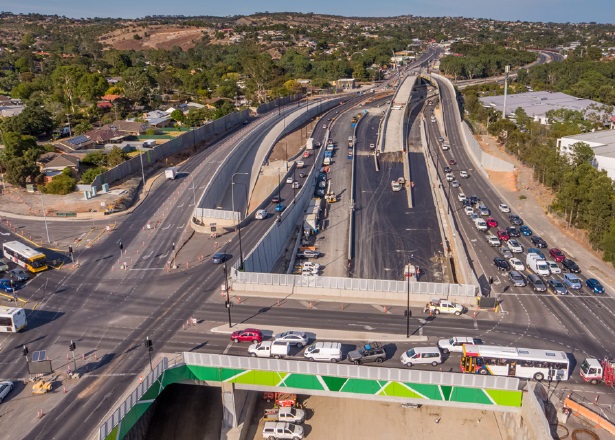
x: 285, y: 414
x: 445, y: 306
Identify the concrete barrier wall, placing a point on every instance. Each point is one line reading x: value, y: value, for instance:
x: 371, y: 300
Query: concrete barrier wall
x: 186, y: 140
x: 348, y: 290
x: 292, y: 121
x: 269, y: 248
x: 485, y: 160
x: 268, y: 106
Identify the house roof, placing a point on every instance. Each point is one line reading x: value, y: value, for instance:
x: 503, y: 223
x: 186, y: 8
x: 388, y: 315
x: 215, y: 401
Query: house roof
x: 105, y: 134
x: 74, y: 143
x: 129, y: 126
x: 59, y: 161
x: 110, y: 98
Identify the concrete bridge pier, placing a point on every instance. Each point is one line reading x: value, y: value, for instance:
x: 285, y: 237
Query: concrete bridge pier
x: 237, y: 409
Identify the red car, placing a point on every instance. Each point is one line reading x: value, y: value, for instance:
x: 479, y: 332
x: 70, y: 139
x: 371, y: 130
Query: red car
x: 503, y: 235
x: 491, y: 222
x: 452, y: 162
x: 247, y: 335
x: 557, y: 255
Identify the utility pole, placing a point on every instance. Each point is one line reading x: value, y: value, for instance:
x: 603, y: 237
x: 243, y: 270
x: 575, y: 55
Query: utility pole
x: 506, y: 70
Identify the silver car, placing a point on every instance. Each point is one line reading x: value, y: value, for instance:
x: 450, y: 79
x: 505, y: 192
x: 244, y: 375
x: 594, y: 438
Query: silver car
x: 5, y: 388
x: 293, y: 337
x: 516, y: 278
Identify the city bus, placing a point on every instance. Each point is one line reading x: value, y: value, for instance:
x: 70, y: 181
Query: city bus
x: 12, y: 319
x: 526, y: 363
x: 25, y: 256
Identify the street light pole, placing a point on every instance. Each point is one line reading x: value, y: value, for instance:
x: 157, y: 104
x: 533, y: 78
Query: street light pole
x: 408, y: 303
x: 238, y: 224
x: 228, y: 300
x: 142, y: 170
x: 45, y: 217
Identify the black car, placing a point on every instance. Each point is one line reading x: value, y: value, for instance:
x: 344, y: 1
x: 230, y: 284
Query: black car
x: 370, y: 352
x: 275, y: 199
x: 570, y: 266
x: 513, y: 232
x: 501, y: 263
x: 515, y: 220
x: 474, y: 200
x: 538, y: 242
x: 466, y: 202
x: 447, y: 169
x: 220, y: 257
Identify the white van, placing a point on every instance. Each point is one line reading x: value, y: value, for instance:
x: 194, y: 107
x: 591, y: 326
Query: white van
x: 324, y: 351
x: 274, y: 349
x: 456, y: 343
x: 422, y: 355
x: 327, y: 161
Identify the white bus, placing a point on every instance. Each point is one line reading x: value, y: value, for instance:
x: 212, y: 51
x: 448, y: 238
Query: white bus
x: 12, y: 319
x: 526, y: 363
x: 25, y: 256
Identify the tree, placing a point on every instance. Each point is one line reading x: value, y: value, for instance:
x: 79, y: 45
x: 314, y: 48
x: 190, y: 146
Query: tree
x: 178, y: 116
x: 67, y: 79
x: 135, y: 84
x: 116, y: 156
x: 15, y: 145
x: 19, y: 170
x: 92, y: 86
x: 33, y: 120
x: 82, y: 127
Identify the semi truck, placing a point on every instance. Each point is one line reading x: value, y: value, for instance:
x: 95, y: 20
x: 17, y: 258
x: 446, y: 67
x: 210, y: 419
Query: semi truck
x: 309, y: 145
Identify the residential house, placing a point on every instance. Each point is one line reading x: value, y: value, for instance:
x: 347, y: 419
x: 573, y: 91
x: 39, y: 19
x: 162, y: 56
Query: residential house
x: 107, y: 134
x: 52, y: 164
x: 132, y: 127
x: 79, y: 142
x: 158, y: 119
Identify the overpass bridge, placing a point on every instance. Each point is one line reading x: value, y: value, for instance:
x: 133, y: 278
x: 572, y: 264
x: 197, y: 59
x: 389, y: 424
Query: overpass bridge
x: 233, y: 373
x: 393, y: 137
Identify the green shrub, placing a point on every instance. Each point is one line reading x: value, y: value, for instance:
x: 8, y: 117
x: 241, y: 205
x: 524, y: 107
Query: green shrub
x: 61, y: 184
x: 88, y: 176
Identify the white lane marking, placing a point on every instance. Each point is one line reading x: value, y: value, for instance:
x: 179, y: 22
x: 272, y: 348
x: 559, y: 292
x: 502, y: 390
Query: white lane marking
x: 228, y: 347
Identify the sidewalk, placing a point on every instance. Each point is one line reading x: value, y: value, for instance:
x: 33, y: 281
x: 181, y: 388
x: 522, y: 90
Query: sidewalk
x: 534, y: 210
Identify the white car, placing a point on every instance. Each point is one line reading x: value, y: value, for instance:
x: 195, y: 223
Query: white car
x: 516, y: 264
x: 554, y: 267
x: 311, y: 265
x: 455, y: 184
x: 450, y: 177
x: 295, y: 185
x: 464, y: 174
x: 461, y: 197
x: 261, y: 214
x: 468, y: 210
x: 309, y: 271
x: 293, y: 337
x: 289, y: 180
x: 515, y: 247
x: 455, y: 344
x: 5, y: 388
x: 503, y: 207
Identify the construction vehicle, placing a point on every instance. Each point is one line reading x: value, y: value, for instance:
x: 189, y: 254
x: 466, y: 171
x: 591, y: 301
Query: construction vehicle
x: 281, y: 400
x: 594, y: 371
x: 41, y: 387
x: 438, y: 306
x: 285, y: 414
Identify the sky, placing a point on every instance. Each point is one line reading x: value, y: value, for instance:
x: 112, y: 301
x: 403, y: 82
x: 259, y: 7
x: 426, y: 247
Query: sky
x: 601, y: 11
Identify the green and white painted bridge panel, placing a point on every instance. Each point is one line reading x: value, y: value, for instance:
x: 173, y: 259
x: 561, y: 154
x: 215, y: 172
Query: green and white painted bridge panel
x: 335, y: 380
x: 343, y: 380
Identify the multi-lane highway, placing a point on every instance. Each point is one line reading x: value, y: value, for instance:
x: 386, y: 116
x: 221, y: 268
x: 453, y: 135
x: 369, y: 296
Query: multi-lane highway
x: 110, y: 311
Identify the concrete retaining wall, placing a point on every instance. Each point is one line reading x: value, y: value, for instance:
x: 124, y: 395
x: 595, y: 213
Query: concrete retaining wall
x: 186, y: 140
x: 268, y: 106
x: 532, y: 423
x: 485, y: 160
